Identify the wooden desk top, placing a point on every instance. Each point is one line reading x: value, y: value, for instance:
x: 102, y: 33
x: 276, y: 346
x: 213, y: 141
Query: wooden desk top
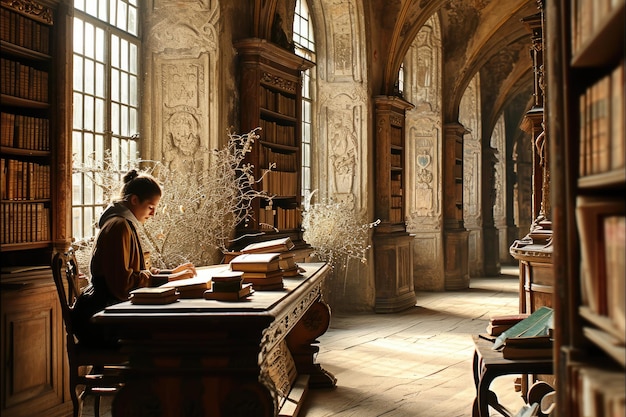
x: 262, y: 307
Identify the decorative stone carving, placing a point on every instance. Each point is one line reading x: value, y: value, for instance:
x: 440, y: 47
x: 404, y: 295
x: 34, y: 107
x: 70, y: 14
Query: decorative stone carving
x: 346, y: 156
x: 182, y: 84
x: 183, y: 45
x: 343, y: 54
x: 343, y: 154
x: 424, y: 201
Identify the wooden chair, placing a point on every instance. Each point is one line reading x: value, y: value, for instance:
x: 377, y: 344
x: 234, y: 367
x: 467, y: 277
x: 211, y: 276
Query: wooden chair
x: 93, y: 371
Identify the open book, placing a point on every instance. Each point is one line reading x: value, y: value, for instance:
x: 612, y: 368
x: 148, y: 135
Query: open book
x: 275, y: 245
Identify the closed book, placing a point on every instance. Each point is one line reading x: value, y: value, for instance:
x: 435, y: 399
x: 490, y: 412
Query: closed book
x: 227, y: 286
x: 498, y: 324
x: 243, y: 293
x: 228, y: 276
x: 256, y: 262
x: 154, y: 295
x: 531, y: 347
x: 497, y: 329
x: 508, y: 318
x: 263, y: 275
x: 270, y: 246
x: 278, y: 279
x: 292, y: 272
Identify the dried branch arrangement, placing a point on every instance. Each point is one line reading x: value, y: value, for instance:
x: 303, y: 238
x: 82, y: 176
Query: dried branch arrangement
x: 199, y: 209
x: 335, y: 231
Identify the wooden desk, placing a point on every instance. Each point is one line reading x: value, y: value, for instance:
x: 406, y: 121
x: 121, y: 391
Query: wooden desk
x: 199, y: 357
x: 489, y: 364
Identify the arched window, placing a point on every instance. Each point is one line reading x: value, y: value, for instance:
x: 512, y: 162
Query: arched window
x: 106, y: 99
x: 305, y: 47
x: 401, y: 80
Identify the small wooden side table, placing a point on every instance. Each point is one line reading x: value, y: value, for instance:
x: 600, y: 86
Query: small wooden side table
x: 489, y: 364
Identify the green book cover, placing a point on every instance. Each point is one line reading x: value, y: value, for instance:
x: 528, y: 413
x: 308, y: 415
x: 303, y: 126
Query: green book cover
x: 537, y: 324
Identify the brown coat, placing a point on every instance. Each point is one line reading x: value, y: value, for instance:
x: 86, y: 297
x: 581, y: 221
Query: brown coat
x: 118, y: 259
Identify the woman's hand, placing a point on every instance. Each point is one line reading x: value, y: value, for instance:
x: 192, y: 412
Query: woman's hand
x: 189, y: 267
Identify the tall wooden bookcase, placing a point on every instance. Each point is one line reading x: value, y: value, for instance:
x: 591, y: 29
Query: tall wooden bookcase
x: 35, y: 160
x: 585, y: 44
x: 393, y: 256
x: 271, y: 98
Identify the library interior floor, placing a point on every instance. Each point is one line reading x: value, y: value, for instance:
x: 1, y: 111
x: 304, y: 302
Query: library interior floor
x: 416, y: 363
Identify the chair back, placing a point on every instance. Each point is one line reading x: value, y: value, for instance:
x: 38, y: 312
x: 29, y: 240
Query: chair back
x: 98, y: 371
x: 65, y: 274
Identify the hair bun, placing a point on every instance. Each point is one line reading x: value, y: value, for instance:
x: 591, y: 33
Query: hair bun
x: 130, y: 175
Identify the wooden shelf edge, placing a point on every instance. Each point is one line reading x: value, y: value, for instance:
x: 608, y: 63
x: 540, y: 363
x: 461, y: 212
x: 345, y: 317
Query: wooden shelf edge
x: 272, y: 145
x: 23, y: 52
x: 611, y: 179
x: 607, y: 343
x: 11, y: 151
x: 604, y: 323
x: 8, y: 247
x: 8, y: 100
x: 276, y: 116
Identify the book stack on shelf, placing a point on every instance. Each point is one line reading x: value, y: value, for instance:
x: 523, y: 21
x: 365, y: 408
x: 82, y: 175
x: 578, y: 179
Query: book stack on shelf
x: 262, y: 270
x: 599, y: 390
x: 154, y: 295
x: 586, y: 95
x: 284, y: 247
x: 25, y: 132
x: 228, y: 286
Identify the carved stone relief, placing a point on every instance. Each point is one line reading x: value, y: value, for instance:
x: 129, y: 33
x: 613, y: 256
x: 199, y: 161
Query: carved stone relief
x: 182, y: 114
x: 345, y: 160
x: 424, y: 152
x: 422, y: 69
x: 426, y: 55
x: 343, y: 56
x: 183, y: 44
x: 498, y: 141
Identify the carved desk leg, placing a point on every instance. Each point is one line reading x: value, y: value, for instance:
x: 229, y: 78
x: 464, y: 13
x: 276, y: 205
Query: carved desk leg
x: 301, y: 342
x: 477, y: 368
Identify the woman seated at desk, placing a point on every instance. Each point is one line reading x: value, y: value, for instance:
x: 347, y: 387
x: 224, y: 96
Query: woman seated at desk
x: 117, y: 262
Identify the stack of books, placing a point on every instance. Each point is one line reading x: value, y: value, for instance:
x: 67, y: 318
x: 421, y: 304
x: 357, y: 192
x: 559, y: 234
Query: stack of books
x: 190, y: 287
x: 498, y: 324
x: 262, y: 270
x: 154, y: 295
x: 283, y: 246
x: 228, y: 286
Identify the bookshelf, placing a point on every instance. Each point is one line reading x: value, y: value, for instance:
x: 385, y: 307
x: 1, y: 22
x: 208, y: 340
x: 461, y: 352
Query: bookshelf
x: 271, y: 99
x: 35, y: 166
x: 393, y: 257
x: 586, y: 93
